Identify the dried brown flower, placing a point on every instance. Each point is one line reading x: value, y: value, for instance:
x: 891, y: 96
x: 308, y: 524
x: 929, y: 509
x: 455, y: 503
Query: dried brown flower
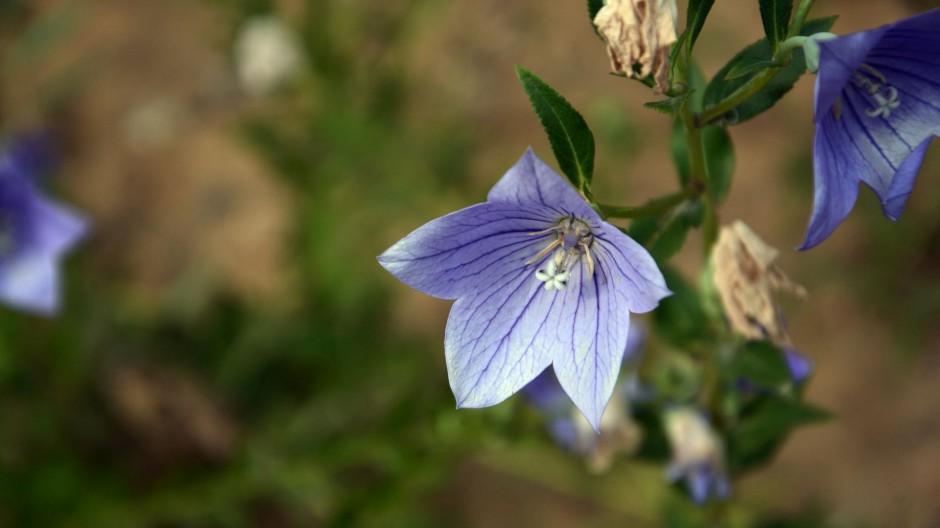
x: 639, y: 32
x: 747, y: 280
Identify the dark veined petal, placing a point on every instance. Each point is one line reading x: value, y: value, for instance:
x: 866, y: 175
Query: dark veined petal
x: 497, y: 338
x: 838, y: 59
x: 455, y: 254
x: 625, y: 280
x: 633, y: 273
x: 859, y: 138
x: 530, y: 182
x: 836, y: 186
x: 893, y: 201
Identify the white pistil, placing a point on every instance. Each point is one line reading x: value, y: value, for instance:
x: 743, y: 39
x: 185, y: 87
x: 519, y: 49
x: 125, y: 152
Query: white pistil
x: 886, y: 103
x: 875, y: 84
x: 553, y: 278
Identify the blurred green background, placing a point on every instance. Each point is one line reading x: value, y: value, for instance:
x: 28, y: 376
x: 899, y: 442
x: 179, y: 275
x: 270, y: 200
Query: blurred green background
x: 230, y: 353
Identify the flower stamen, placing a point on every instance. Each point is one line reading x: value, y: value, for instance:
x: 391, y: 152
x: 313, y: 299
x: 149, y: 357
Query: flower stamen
x: 573, y: 239
x: 884, y: 96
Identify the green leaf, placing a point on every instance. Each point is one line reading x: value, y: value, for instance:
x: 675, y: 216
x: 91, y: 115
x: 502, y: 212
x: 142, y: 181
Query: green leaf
x: 673, y: 230
x: 695, y: 19
x: 761, y: 363
x: 719, y: 161
x: 748, y: 66
x: 664, y: 235
x: 671, y: 106
x: 680, y: 318
x: 764, y: 427
x: 775, y: 14
x: 568, y: 133
x: 721, y: 86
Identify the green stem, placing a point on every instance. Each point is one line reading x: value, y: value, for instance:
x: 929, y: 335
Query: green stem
x: 761, y: 80
x: 800, y: 18
x: 698, y: 173
x: 652, y: 207
x: 745, y: 92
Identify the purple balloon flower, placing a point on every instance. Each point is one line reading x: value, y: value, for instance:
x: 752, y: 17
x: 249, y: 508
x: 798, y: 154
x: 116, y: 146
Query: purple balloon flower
x: 877, y: 107
x: 35, y: 232
x: 539, y: 279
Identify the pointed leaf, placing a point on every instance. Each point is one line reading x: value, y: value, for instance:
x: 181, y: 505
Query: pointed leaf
x: 671, y: 106
x: 695, y: 19
x: 748, y: 66
x: 765, y: 425
x: 568, y: 133
x: 775, y: 14
x: 681, y: 318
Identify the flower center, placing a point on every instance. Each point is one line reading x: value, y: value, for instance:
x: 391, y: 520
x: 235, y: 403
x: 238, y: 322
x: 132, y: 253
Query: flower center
x: 884, y: 97
x: 573, y: 240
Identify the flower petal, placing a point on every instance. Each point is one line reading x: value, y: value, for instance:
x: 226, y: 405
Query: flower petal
x: 496, y: 337
x: 838, y: 59
x: 632, y: 271
x: 55, y: 228
x: 30, y: 284
x: 530, y: 181
x: 457, y: 253
x: 893, y: 200
x: 835, y: 182
x: 625, y: 280
x: 592, y: 336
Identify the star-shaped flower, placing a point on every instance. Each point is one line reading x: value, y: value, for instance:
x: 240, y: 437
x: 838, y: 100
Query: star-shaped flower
x: 539, y: 279
x: 35, y: 233
x: 877, y: 107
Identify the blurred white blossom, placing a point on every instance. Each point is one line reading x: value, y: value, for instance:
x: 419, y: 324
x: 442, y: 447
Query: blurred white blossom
x: 697, y: 454
x: 267, y: 53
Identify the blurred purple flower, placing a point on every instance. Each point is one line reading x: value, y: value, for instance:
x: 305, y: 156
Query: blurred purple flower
x: 35, y: 233
x: 877, y: 107
x: 800, y: 366
x: 568, y: 427
x: 539, y: 279
x: 697, y: 455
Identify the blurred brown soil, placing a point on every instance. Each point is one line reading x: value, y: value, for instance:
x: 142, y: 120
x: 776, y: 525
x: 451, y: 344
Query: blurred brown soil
x: 181, y: 206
